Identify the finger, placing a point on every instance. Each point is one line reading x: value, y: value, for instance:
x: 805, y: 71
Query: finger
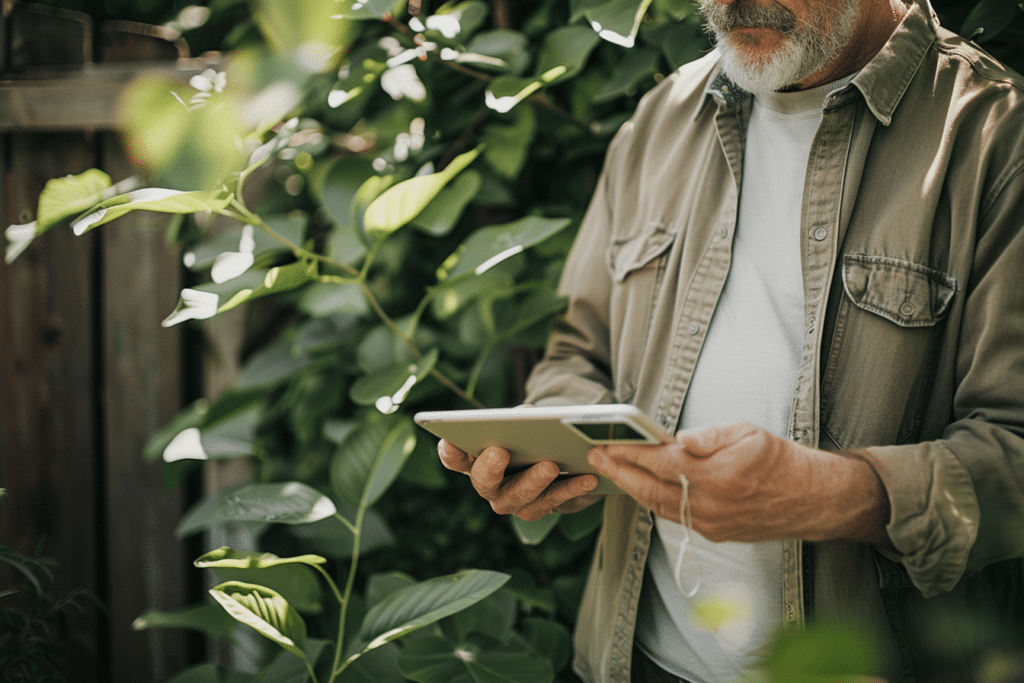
x: 488, y: 471
x: 662, y: 496
x: 453, y: 458
x: 664, y: 462
x: 523, y: 488
x: 556, y: 494
x: 705, y: 442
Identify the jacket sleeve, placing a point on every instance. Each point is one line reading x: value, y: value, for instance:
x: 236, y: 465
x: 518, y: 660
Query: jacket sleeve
x: 576, y: 367
x: 958, y: 502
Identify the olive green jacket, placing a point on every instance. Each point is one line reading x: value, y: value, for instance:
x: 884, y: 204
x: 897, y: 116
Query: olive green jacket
x: 912, y: 255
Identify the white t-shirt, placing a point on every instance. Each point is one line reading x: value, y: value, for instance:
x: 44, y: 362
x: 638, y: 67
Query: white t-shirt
x: 712, y: 622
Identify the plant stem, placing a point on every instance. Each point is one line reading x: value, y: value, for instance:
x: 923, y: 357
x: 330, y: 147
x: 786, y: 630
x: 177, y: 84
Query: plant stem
x: 357, y: 531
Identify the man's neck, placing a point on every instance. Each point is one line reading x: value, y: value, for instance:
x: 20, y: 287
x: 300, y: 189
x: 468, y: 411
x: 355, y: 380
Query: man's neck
x: 876, y: 23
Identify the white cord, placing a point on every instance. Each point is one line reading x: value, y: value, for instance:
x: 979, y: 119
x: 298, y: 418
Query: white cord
x: 687, y: 518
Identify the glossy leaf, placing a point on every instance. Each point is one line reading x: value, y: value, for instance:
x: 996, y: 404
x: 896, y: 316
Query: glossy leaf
x: 332, y: 538
x: 265, y: 611
x: 232, y: 436
x: 151, y: 199
x: 296, y: 583
x: 369, y: 460
x: 281, y: 503
x: 487, y: 247
x: 424, y: 603
x: 398, y: 205
x: 210, y: 619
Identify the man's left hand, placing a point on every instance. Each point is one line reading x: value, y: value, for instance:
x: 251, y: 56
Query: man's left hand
x: 746, y: 484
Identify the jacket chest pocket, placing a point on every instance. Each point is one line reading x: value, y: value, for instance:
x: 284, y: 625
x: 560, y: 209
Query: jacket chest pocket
x: 879, y: 368
x: 637, y: 268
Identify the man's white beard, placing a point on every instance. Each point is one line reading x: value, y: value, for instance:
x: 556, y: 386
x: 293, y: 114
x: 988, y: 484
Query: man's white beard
x: 801, y: 53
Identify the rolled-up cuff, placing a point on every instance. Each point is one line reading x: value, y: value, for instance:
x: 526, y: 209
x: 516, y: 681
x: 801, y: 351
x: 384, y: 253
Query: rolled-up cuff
x: 934, y: 514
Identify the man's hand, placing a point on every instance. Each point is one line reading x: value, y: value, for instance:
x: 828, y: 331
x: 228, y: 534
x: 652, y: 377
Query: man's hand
x: 530, y: 494
x: 746, y: 484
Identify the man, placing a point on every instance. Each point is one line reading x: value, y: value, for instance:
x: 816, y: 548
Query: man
x: 803, y: 254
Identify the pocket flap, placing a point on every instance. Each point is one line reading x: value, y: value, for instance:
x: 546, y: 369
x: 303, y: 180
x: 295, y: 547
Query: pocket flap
x: 908, y: 294
x: 633, y: 253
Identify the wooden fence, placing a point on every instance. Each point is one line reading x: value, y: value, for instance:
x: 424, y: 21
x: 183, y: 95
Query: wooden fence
x: 86, y: 371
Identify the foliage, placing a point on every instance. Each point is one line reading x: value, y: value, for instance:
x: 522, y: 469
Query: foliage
x: 31, y: 650
x: 389, y: 187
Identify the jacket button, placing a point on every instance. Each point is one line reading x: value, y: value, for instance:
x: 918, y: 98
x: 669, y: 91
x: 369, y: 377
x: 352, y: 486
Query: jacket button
x: 820, y: 234
x: 693, y: 327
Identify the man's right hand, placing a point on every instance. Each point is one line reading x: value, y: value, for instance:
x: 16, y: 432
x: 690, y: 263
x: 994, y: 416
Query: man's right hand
x: 530, y: 494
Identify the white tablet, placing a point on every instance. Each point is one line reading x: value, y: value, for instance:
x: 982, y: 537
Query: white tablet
x: 561, y: 434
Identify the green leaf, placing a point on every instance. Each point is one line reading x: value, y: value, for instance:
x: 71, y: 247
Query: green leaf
x: 368, y: 462
x: 487, y: 247
x: 281, y: 503
x: 478, y: 659
x: 507, y: 147
x: 188, y: 142
x: 229, y: 437
x: 342, y: 183
x: 548, y: 639
x: 70, y: 196
x: 296, y: 583
x: 683, y: 43
x: 637, y: 65
x: 287, y: 668
x: 242, y: 559
x: 323, y: 299
x: 532, y: 533
x: 424, y: 603
x: 505, y: 92
x: 823, y: 653
x: 618, y: 21
x: 210, y: 619
x: 457, y: 21
x: 988, y: 19
x: 271, y: 365
x: 509, y: 46
x: 564, y: 53
x: 265, y: 611
x: 440, y: 215
x: 18, y: 238
x: 205, y: 673
x: 151, y: 199
x: 388, y: 387
x: 400, y: 204
x: 333, y: 539
x: 292, y: 227
x: 207, y: 300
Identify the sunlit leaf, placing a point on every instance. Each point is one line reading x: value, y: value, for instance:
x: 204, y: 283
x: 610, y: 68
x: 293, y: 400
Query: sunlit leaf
x: 441, y: 214
x: 281, y: 503
x: 297, y: 583
x: 505, y: 92
x: 151, y: 199
x: 400, y: 204
x: 265, y: 611
x: 18, y: 239
x: 69, y: 196
x: 210, y: 619
x: 242, y: 559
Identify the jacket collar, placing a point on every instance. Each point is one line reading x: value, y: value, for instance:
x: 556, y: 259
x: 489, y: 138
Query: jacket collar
x: 882, y: 82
